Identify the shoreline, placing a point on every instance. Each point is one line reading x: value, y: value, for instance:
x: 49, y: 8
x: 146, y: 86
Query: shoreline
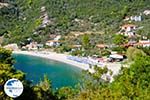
x: 114, y: 67
x: 56, y: 57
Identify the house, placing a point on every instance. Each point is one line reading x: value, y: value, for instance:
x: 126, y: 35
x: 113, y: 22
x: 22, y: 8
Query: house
x: 115, y: 57
x: 133, y: 18
x: 31, y: 46
x: 136, y: 18
x: 40, y: 46
x: 128, y: 30
x: 146, y: 12
x: 128, y: 27
x: 129, y: 34
x: 144, y: 43
x: 76, y: 47
x: 52, y: 43
x: 102, y: 46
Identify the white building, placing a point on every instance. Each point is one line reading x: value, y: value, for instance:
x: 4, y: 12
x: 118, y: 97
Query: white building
x: 128, y: 27
x: 146, y: 12
x: 128, y: 30
x: 52, y: 43
x: 144, y: 43
x: 32, y: 46
x: 129, y: 34
x: 136, y: 18
x: 133, y: 18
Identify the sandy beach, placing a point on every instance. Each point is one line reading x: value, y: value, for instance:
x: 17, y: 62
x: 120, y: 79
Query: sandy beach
x: 54, y: 56
x: 114, y: 67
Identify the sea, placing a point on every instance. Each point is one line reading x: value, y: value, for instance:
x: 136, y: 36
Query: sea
x: 60, y: 74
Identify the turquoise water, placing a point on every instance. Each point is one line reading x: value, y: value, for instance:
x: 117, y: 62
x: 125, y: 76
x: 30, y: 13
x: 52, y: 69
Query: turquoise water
x: 60, y: 74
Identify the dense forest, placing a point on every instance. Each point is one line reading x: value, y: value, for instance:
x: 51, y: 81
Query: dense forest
x: 22, y: 19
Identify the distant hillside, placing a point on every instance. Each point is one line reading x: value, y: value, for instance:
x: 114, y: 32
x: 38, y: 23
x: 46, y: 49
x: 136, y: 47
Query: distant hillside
x: 24, y: 18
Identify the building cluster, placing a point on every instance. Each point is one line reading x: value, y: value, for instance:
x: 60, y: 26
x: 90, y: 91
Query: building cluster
x: 129, y: 30
x: 33, y: 46
x: 54, y: 42
x: 144, y: 43
x: 137, y: 17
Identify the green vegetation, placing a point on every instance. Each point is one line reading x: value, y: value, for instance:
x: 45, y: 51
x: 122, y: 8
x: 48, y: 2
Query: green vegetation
x: 120, y: 39
x: 41, y: 91
x: 146, y: 50
x: 133, y: 52
x: 21, y: 19
x: 131, y: 83
x: 85, y: 41
x: 6, y: 69
x: 120, y: 49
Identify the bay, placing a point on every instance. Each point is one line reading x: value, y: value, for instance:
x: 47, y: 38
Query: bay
x: 60, y: 74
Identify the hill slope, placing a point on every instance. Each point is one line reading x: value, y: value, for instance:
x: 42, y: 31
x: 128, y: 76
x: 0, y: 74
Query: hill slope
x: 24, y: 17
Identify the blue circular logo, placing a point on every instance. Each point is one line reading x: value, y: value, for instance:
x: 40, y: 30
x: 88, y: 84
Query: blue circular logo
x: 13, y: 88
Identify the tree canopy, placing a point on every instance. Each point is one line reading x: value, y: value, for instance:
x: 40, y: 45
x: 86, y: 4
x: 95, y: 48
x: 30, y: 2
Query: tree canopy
x: 22, y: 19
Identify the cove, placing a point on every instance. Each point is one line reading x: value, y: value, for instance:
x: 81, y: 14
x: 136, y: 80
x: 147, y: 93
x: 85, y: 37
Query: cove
x: 59, y: 73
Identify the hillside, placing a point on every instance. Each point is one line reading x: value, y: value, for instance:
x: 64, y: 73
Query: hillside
x: 97, y: 33
x: 22, y: 19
